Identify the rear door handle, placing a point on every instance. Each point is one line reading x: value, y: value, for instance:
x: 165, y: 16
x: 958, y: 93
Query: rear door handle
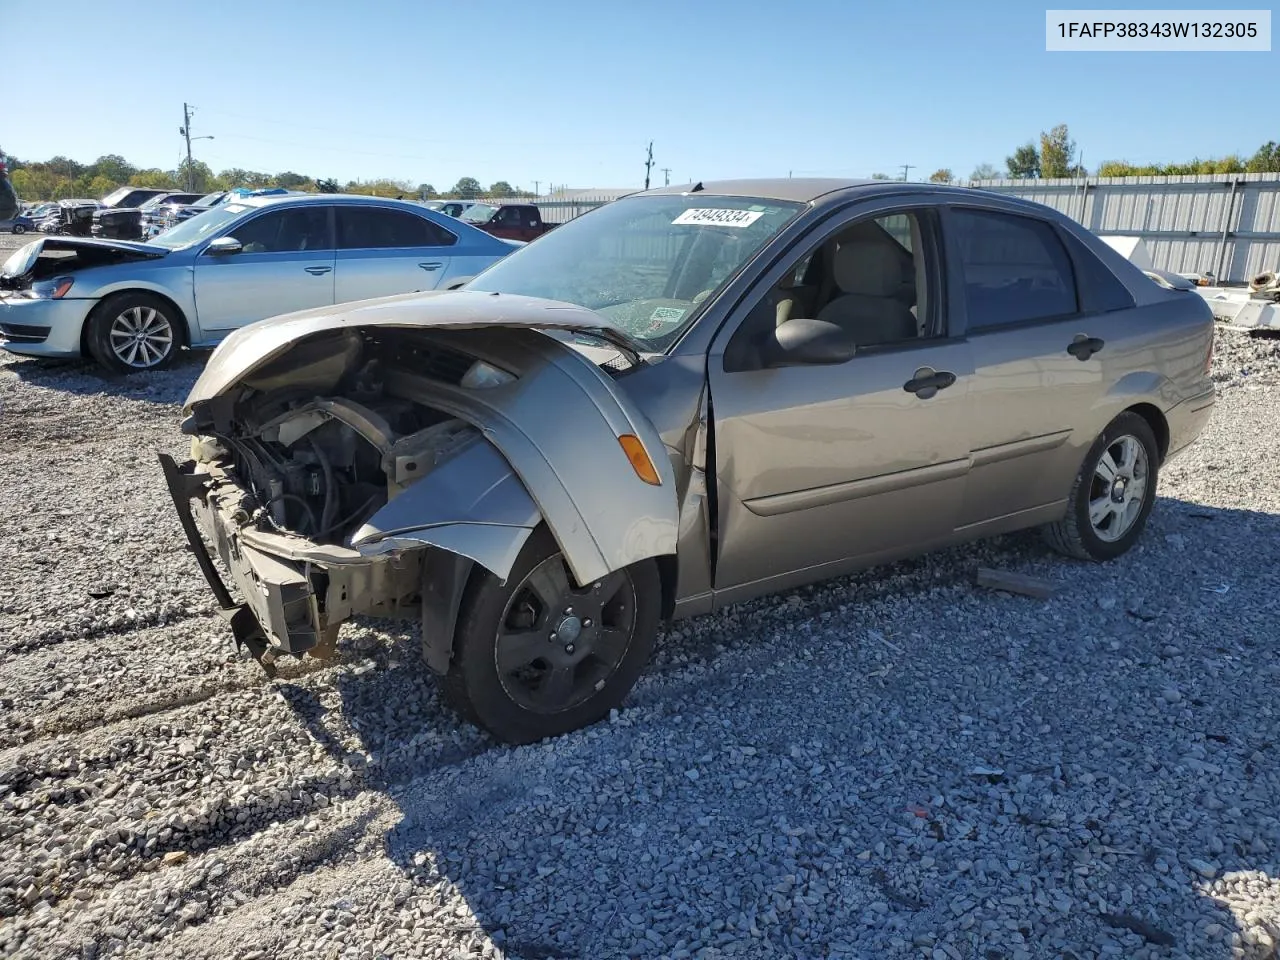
x: 430, y: 266
x: 1082, y: 347
x: 928, y: 382
x: 317, y: 271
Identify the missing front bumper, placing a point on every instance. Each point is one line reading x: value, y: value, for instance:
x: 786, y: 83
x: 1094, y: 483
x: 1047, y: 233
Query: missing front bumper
x: 280, y: 611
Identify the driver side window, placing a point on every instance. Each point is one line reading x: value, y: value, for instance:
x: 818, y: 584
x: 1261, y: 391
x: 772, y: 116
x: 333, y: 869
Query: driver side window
x: 286, y: 231
x: 872, y: 277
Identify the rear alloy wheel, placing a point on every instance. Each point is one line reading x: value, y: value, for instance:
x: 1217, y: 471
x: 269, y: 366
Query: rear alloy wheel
x: 539, y: 655
x: 133, y: 332
x: 19, y: 229
x: 1113, y: 493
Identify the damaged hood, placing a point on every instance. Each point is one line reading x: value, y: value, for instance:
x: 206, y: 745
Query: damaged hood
x: 111, y: 251
x: 250, y: 348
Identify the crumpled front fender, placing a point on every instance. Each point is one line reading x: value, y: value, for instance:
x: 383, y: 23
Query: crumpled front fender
x: 473, y: 505
x: 556, y: 427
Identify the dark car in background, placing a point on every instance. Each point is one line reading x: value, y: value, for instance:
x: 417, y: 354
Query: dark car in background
x: 128, y: 197
x: 170, y: 214
x: 126, y: 223
x: 510, y: 221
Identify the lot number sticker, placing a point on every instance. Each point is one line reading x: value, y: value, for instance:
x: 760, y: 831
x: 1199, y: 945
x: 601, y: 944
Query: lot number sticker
x: 666, y: 314
x: 718, y: 218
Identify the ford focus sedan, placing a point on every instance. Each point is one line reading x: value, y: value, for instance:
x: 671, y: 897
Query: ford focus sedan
x: 684, y: 399
x: 131, y: 306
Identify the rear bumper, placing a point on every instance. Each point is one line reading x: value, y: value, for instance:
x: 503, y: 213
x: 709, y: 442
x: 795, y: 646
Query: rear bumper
x: 1188, y: 419
x: 295, y: 594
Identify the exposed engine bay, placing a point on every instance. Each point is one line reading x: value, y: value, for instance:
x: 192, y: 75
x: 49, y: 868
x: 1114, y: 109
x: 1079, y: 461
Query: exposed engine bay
x: 50, y: 257
x: 322, y: 439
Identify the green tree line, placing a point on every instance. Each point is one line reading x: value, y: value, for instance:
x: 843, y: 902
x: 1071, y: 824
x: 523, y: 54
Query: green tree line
x: 1056, y: 155
x: 62, y: 178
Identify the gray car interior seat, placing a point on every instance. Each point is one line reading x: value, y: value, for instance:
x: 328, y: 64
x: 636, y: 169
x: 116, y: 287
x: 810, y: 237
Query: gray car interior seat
x: 869, y: 276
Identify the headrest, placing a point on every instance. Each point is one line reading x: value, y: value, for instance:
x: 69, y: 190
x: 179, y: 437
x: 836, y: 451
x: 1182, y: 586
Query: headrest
x: 868, y: 268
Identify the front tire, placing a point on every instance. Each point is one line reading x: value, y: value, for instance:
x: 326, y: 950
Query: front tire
x: 538, y: 655
x: 133, y: 332
x: 1113, y: 494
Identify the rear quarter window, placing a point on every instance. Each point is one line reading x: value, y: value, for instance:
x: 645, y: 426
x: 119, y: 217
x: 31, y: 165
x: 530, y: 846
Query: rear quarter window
x: 1101, y: 291
x: 1015, y: 268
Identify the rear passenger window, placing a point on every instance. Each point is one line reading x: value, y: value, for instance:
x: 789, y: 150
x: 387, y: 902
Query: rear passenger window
x: 362, y: 228
x: 1015, y: 269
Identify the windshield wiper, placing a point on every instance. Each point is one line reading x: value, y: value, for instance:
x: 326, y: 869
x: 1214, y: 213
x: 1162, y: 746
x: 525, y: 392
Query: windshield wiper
x: 630, y: 347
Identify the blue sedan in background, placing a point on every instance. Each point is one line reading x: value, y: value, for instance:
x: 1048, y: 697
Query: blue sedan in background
x: 131, y: 306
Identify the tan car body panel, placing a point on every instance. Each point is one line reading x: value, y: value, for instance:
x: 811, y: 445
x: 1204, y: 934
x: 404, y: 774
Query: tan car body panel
x: 769, y: 478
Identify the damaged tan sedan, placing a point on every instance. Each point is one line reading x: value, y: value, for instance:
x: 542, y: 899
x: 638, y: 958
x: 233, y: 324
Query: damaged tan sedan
x: 686, y: 398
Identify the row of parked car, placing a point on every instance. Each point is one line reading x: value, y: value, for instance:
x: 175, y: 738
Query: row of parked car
x: 220, y: 263
x: 132, y: 213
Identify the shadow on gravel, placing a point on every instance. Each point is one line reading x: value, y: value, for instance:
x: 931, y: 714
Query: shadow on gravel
x: 924, y: 770
x: 86, y: 378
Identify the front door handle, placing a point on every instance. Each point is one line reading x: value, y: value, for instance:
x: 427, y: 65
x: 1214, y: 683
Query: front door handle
x: 928, y: 382
x: 430, y: 266
x: 317, y: 271
x: 1082, y: 347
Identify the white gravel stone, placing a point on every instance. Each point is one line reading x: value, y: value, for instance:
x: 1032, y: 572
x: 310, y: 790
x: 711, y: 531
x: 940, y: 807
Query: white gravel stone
x: 895, y: 764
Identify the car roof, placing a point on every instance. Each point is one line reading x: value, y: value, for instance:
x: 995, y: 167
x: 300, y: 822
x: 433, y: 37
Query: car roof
x: 330, y: 198
x: 823, y: 191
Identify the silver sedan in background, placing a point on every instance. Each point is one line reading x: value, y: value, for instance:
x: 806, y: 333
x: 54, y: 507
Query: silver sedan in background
x: 131, y: 305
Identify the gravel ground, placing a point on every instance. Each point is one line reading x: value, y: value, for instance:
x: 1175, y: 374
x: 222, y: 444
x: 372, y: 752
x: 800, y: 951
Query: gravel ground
x: 897, y: 764
x: 10, y: 241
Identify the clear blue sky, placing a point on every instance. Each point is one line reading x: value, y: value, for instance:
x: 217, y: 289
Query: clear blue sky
x: 571, y: 92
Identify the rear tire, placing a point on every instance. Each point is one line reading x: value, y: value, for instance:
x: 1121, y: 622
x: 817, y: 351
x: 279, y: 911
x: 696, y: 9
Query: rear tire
x: 1113, y: 493
x: 538, y: 656
x: 19, y: 229
x: 134, y: 332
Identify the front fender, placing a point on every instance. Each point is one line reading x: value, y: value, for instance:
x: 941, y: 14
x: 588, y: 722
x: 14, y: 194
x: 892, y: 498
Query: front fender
x: 557, y: 427
x: 472, y: 504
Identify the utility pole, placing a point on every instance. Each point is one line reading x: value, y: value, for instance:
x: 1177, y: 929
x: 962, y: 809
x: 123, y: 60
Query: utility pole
x: 648, y: 165
x: 666, y: 176
x: 186, y: 132
x: 536, y: 184
x: 906, y: 167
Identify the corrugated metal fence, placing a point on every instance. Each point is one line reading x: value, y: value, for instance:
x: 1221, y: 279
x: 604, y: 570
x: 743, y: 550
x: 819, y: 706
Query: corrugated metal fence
x: 1227, y: 225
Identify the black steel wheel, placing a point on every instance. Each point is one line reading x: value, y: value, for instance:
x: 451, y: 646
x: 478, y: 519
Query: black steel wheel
x: 540, y: 655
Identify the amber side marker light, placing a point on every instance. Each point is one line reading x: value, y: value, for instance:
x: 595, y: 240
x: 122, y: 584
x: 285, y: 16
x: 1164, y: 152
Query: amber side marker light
x: 640, y: 461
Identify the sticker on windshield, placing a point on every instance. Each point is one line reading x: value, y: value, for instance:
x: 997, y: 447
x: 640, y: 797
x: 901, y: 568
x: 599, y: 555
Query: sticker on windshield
x: 711, y: 217
x: 667, y: 314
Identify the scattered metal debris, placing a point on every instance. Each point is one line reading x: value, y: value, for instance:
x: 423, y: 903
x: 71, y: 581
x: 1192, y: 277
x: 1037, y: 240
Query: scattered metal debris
x: 1021, y: 583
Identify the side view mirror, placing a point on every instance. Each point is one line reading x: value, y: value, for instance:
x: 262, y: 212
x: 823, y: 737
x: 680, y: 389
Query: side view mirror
x: 223, y: 246
x: 801, y: 341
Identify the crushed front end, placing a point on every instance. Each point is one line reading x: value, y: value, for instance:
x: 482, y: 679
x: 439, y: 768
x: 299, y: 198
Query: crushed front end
x: 287, y: 471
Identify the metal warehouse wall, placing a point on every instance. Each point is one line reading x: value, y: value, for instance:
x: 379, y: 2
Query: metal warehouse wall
x: 1224, y: 224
